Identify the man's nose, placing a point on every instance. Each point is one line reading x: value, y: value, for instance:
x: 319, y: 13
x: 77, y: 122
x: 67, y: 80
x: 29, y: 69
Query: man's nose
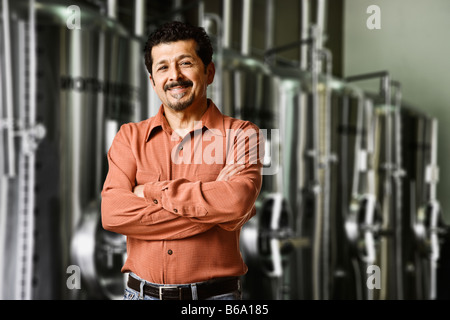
x: 175, y: 73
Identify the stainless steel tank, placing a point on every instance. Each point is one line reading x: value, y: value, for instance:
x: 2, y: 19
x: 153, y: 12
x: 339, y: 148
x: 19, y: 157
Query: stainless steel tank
x: 351, y: 189
x: 87, y: 85
x: 417, y: 149
x: 343, y: 183
x: 277, y: 100
x: 243, y: 88
x: 247, y: 94
x: 423, y: 226
x: 395, y: 224
x: 323, y: 146
x: 288, y: 88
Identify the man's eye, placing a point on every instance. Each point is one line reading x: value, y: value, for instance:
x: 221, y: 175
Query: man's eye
x: 186, y: 63
x: 162, y: 68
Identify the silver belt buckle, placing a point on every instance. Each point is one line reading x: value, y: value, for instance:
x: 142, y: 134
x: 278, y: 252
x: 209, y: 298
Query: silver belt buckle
x: 161, y: 288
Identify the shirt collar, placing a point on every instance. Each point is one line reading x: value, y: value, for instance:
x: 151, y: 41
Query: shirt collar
x: 211, y: 119
x: 214, y: 119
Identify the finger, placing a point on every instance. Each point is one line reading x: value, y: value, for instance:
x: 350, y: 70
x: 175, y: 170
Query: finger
x: 236, y: 170
x: 232, y: 167
x: 231, y: 170
x: 228, y: 171
x: 139, y: 191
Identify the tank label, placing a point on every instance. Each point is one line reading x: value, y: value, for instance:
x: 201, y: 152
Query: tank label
x: 94, y: 85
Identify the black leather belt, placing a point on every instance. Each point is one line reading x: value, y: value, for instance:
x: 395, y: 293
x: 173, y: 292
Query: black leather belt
x: 205, y: 289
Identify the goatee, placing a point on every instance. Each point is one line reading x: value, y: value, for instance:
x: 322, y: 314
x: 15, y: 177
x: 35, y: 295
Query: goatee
x: 179, y: 105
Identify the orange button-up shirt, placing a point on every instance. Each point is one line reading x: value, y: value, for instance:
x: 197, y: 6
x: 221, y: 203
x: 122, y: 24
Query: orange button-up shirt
x: 186, y: 228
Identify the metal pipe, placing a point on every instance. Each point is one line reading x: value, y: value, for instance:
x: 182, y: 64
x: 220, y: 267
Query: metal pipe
x: 314, y: 154
x: 270, y: 24
x: 367, y: 76
x: 246, y: 27
x: 135, y: 66
x: 360, y: 156
x: 270, y: 52
x: 74, y: 118
x: 139, y: 17
x: 9, y: 119
x: 433, y: 169
x: 32, y: 70
x: 397, y: 167
x: 370, y: 192
x: 326, y: 158
x: 321, y: 154
x: 201, y: 13
x: 321, y: 20
x: 386, y: 243
x: 31, y: 136
x: 3, y: 193
x: 217, y: 87
x: 320, y: 23
x: 227, y: 24
x: 3, y: 126
x: 304, y: 32
x: 434, y: 212
x: 3, y: 234
x: 385, y: 91
x: 26, y: 195
x: 434, y: 138
x: 100, y: 129
x: 112, y: 9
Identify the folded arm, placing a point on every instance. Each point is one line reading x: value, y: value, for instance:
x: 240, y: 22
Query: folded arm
x: 125, y: 213
x: 229, y: 200
x: 177, y: 208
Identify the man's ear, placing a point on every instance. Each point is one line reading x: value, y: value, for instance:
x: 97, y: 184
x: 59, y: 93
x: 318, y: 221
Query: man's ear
x: 210, y: 71
x: 153, y: 81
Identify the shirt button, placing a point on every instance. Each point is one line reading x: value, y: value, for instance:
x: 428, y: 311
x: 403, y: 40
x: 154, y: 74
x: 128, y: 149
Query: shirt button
x: 155, y: 201
x: 175, y: 210
x: 170, y: 252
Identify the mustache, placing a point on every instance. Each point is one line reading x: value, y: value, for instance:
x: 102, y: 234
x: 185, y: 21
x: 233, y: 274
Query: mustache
x: 181, y: 83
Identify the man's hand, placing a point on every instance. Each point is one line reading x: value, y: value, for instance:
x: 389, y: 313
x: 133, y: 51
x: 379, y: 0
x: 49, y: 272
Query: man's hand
x: 229, y: 170
x: 139, y: 190
x: 226, y: 173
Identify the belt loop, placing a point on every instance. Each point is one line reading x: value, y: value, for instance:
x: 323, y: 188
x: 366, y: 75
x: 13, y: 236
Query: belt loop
x: 194, y: 291
x: 141, y: 290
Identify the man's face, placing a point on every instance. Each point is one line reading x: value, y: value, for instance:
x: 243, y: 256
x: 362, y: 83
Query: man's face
x: 178, y: 74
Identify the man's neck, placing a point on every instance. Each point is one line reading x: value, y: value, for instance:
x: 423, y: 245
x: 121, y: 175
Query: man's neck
x: 183, y: 122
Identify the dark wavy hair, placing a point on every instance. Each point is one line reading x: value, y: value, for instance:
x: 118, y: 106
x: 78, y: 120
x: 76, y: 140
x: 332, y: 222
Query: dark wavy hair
x: 176, y: 31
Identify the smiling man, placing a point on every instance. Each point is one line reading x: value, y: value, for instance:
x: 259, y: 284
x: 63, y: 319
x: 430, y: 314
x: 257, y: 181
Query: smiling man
x: 182, y: 219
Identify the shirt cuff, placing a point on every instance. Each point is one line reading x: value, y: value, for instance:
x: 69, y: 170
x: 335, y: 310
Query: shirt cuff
x: 158, y: 194
x: 153, y: 192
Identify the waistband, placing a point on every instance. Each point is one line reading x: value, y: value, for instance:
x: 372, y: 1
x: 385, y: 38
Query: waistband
x: 193, y: 291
